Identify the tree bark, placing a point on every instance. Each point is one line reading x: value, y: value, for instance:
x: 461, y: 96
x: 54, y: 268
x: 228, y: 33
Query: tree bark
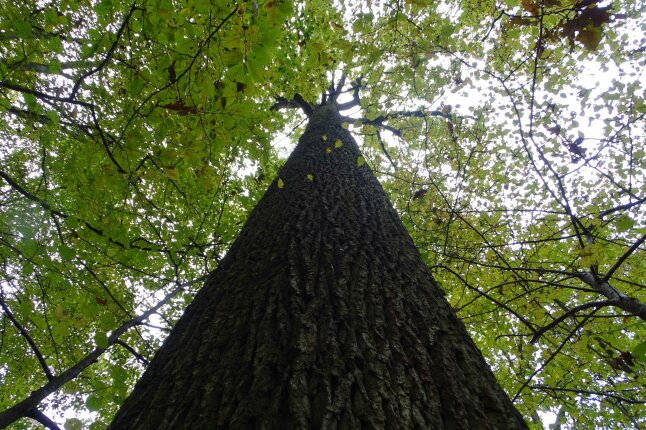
x: 322, y: 315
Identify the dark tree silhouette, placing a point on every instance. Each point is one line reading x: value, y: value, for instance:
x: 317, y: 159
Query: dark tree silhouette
x: 321, y: 315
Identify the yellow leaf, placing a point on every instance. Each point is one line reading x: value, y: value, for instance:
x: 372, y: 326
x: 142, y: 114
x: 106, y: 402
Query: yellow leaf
x: 280, y: 183
x: 345, y: 125
x: 324, y: 138
x: 338, y: 143
x: 328, y: 150
x: 310, y: 177
x: 592, y: 255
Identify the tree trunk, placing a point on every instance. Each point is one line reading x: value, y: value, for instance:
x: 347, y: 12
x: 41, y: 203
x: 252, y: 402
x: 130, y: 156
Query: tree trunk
x: 321, y: 315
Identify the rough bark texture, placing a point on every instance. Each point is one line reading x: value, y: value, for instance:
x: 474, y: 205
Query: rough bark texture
x: 322, y: 315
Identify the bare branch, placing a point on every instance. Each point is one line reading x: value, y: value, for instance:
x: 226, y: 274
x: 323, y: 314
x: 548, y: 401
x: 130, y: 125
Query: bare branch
x: 355, y: 96
x: 47, y: 68
x: 305, y: 106
x: 622, y: 207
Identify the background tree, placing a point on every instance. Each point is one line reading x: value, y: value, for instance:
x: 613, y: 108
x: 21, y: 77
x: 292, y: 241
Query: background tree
x: 137, y: 137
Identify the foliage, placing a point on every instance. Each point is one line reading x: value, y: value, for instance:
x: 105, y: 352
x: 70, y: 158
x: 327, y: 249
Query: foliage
x: 136, y: 137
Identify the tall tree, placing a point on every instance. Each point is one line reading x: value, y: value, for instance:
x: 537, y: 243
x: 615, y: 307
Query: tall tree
x: 136, y: 137
x: 321, y: 315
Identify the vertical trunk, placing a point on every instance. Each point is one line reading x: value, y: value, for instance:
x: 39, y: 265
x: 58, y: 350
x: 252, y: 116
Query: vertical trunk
x: 321, y: 315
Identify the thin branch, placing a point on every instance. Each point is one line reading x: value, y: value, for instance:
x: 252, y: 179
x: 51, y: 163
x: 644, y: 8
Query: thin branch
x: 553, y: 355
x: 385, y: 150
x: 356, y: 101
x: 488, y: 297
x: 42, y: 95
x: 589, y: 393
x: 622, y: 207
x: 47, y: 68
x: 23, y: 408
x: 538, y: 333
x: 45, y: 206
x: 28, y: 338
x: 132, y: 351
x: 623, y: 258
x: 334, y: 92
x: 108, y: 57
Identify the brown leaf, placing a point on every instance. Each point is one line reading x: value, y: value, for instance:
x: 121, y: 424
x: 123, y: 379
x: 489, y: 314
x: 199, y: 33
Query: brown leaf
x: 590, y: 37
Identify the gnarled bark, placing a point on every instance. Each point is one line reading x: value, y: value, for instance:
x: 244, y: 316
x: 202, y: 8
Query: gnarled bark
x: 321, y: 315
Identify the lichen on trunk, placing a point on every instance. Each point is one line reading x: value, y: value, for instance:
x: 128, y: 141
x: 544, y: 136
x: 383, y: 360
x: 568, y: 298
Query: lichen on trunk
x: 321, y: 315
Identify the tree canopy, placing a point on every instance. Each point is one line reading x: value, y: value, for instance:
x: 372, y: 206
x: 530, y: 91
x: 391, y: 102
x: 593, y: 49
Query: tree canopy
x: 136, y: 138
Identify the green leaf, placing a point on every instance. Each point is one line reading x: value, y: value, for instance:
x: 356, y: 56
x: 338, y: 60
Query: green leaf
x: 94, y: 402
x: 73, y: 424
x: 360, y: 161
x: 640, y: 351
x: 72, y: 222
x: 592, y: 255
x: 119, y: 374
x: 66, y: 252
x: 27, y: 269
x: 280, y: 184
x: 101, y: 340
x: 624, y: 223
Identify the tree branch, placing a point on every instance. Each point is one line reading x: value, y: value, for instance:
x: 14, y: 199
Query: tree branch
x: 108, y: 56
x: 28, y: 338
x: 132, y: 351
x: 623, y: 258
x: 356, y: 101
x: 42, y: 95
x: 538, y: 333
x: 23, y: 408
x: 305, y: 106
x: 622, y: 207
x: 37, y: 415
x: 619, y: 299
x: 590, y: 393
x: 46, y: 68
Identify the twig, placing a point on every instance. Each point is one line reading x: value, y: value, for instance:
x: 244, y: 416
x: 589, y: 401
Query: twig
x: 590, y: 393
x: 623, y: 258
x: 28, y: 338
x: 132, y: 351
x: 108, y: 57
x: 538, y: 333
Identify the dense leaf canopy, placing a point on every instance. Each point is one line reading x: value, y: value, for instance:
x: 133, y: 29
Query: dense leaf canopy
x: 136, y: 137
